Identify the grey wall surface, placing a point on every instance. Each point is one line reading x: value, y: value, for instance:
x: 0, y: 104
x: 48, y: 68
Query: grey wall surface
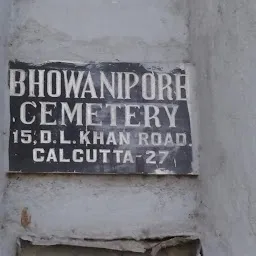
x: 4, y: 108
x: 223, y: 39
x: 99, y: 30
x: 219, y: 37
x: 4, y: 95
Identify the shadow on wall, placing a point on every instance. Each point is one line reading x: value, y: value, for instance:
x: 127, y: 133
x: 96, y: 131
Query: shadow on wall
x: 175, y: 246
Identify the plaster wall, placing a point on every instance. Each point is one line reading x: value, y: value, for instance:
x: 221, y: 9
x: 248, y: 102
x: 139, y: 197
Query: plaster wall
x: 4, y: 28
x: 223, y: 39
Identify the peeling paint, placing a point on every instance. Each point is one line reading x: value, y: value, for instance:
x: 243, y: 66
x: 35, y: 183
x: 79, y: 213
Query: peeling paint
x: 141, y: 246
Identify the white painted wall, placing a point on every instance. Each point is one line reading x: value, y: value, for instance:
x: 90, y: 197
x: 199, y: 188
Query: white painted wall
x: 220, y: 41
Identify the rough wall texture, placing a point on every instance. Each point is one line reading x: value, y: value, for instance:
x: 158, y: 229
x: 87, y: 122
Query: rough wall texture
x: 221, y: 42
x: 223, y: 39
x: 101, y: 207
x: 4, y: 103
x: 99, y: 30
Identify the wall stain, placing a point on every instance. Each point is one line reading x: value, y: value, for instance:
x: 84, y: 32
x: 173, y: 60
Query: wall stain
x: 25, y: 219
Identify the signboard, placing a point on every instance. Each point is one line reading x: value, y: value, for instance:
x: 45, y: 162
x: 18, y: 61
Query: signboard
x: 99, y: 118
